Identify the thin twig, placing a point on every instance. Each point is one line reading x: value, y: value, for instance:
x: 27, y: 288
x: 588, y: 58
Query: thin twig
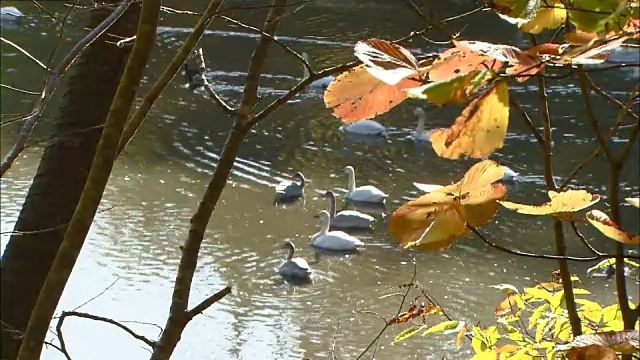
x: 97, y: 295
x: 591, y: 115
x: 66, y: 314
x: 62, y: 351
x: 386, y: 324
x: 541, y: 256
x: 527, y: 120
x: 19, y: 90
x: 23, y: 51
x: 584, y: 240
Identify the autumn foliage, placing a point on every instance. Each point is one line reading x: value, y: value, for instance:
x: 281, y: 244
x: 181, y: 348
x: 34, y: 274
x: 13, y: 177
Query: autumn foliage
x: 476, y: 75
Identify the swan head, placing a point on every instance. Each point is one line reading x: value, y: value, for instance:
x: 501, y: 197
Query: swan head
x: 329, y: 194
x: 288, y: 245
x: 298, y: 176
x: 419, y: 112
x: 349, y: 170
x: 305, y: 56
x: 323, y: 216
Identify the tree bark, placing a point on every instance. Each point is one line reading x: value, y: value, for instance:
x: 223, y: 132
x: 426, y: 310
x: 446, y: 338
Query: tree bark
x: 61, y: 176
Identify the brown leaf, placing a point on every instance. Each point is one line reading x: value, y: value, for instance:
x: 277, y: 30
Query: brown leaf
x: 460, y: 336
x: 604, y: 344
x: 479, y: 130
x: 592, y: 352
x: 416, y: 311
x: 610, y: 229
x: 434, y: 220
x: 356, y: 95
x: 455, y: 62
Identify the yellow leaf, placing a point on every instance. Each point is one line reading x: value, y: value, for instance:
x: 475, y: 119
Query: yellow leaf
x: 407, y: 333
x: 539, y: 293
x: 479, y: 130
x: 485, y: 355
x: 455, y: 90
x: 434, y: 220
x: 561, y: 203
x: 546, y: 17
x: 537, y: 314
x: 445, y: 325
x: 610, y: 229
x: 633, y: 201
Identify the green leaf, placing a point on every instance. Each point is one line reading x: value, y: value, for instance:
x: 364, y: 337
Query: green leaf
x: 557, y: 302
x: 407, y: 333
x: 601, y: 16
x: 611, y: 313
x: 539, y: 294
x: 455, y: 90
x: 445, y: 325
x: 537, y: 314
x: 513, y: 333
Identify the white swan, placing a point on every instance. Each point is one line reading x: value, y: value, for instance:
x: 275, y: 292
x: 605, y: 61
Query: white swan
x: 427, y: 188
x: 10, y: 13
x: 508, y: 173
x: 294, y: 267
x: 333, y: 240
x: 322, y: 83
x: 347, y: 219
x: 365, y: 127
x: 367, y: 193
x: 289, y: 189
x: 419, y: 134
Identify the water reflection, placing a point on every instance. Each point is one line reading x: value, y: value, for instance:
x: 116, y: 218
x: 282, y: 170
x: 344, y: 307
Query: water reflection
x: 157, y: 184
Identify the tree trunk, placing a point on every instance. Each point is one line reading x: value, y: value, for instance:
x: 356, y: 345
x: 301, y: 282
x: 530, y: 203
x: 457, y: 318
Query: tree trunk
x: 61, y: 175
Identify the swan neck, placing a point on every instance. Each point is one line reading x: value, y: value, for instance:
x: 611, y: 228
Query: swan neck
x: 420, y: 126
x: 303, y: 181
x: 326, y: 223
x: 332, y: 204
x: 292, y: 250
x: 352, y: 180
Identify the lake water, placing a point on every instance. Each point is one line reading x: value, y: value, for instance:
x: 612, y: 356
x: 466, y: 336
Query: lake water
x: 157, y: 183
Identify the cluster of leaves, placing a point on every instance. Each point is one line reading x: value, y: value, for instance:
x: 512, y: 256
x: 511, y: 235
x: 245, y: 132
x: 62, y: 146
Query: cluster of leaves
x: 530, y: 324
x: 476, y: 73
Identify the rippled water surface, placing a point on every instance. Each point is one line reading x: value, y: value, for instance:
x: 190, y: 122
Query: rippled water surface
x: 157, y: 184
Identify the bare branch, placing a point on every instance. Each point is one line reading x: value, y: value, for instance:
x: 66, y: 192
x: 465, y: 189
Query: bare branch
x: 527, y: 120
x: 19, y: 90
x: 206, y: 303
x: 66, y: 314
x: 207, y: 86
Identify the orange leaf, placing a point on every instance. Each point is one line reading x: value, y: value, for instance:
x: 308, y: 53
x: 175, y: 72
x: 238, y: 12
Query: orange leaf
x: 479, y: 130
x: 455, y: 62
x: 415, y: 311
x: 434, y: 220
x: 508, y: 348
x: 561, y: 203
x: 460, y: 336
x: 356, y: 95
x: 610, y: 229
x: 595, y: 51
x: 507, y: 304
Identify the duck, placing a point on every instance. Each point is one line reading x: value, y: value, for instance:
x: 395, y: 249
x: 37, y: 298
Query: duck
x: 322, y: 83
x: 367, y: 193
x: 333, y: 240
x: 347, y: 219
x: 419, y: 134
x: 294, y: 267
x: 193, y: 76
x: 290, y: 189
x: 365, y: 127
